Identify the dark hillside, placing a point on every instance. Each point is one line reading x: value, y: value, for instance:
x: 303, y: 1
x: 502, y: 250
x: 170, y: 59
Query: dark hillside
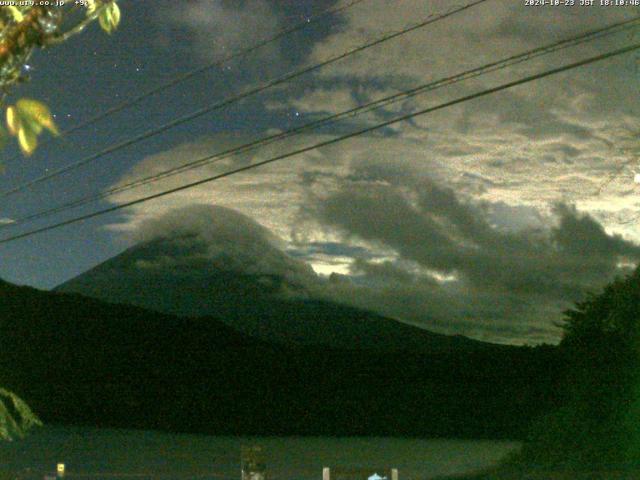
x: 82, y: 361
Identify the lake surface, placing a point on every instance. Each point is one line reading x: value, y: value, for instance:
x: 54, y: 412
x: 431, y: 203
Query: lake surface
x: 112, y: 454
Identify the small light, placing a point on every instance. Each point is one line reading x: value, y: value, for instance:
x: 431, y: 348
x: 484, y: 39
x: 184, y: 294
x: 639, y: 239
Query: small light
x: 636, y: 178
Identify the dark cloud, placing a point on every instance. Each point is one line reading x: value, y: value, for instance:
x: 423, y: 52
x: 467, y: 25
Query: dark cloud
x: 379, y: 213
x: 388, y: 273
x: 581, y: 235
x: 496, y: 276
x: 209, y: 238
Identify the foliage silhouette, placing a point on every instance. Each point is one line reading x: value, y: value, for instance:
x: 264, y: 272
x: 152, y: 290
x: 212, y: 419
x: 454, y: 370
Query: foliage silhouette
x: 597, y: 428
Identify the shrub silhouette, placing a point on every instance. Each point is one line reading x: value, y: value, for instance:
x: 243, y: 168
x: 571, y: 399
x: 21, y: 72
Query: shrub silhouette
x: 598, y: 426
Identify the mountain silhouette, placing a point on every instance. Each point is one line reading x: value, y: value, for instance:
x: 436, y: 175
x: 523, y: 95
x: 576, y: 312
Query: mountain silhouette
x: 175, y: 276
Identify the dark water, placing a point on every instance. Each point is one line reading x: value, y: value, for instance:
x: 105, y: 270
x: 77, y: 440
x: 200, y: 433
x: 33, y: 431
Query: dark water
x: 114, y: 454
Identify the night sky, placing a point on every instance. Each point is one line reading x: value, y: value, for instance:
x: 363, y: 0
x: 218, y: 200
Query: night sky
x: 486, y: 219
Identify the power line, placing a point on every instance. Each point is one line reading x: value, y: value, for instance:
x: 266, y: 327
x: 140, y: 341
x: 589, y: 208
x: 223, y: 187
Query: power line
x: 219, y: 105
x: 476, y: 72
x: 195, y: 72
x: 614, y: 175
x: 378, y: 126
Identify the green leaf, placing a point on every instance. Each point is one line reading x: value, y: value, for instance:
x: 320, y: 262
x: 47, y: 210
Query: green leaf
x: 28, y: 139
x: 109, y: 17
x: 16, y: 13
x: 91, y: 6
x: 15, y: 416
x: 38, y: 114
x: 12, y: 120
x: 26, y: 120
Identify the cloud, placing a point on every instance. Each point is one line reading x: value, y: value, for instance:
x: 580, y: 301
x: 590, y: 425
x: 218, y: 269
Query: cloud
x: 219, y: 28
x: 468, y: 275
x: 207, y: 238
x: 467, y: 39
x: 547, y: 141
x: 269, y: 194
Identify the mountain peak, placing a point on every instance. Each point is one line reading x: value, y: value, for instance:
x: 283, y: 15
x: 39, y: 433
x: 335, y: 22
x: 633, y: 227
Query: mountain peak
x: 261, y: 295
